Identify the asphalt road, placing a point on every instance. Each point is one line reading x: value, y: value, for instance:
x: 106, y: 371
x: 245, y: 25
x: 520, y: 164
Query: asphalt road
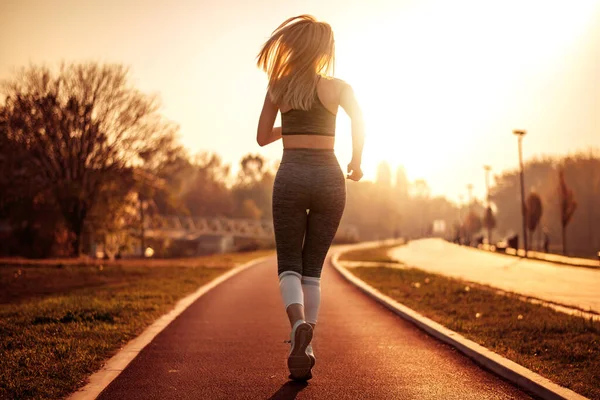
x: 229, y: 344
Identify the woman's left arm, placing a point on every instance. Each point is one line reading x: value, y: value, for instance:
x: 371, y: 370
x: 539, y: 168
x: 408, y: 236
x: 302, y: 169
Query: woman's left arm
x: 266, y: 133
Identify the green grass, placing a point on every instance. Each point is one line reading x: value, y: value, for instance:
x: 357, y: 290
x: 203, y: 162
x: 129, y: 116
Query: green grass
x: 561, y: 347
x: 59, y: 323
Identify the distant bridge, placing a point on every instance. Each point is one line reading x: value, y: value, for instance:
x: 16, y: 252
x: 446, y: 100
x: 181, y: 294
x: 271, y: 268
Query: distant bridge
x: 191, y: 228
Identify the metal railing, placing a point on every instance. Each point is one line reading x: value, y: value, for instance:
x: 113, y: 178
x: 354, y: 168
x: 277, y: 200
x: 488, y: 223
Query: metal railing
x: 189, y: 228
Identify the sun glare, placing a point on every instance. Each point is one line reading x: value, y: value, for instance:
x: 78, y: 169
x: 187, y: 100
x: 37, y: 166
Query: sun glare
x: 430, y: 79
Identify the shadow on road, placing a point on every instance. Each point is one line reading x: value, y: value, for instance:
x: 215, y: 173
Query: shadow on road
x: 289, y: 390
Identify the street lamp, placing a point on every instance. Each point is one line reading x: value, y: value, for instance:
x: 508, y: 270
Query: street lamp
x: 487, y: 169
x: 520, y: 134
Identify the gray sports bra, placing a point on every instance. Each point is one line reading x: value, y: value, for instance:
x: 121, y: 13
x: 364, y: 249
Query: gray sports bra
x: 316, y: 121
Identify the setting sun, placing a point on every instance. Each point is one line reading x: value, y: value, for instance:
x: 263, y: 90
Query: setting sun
x: 436, y: 81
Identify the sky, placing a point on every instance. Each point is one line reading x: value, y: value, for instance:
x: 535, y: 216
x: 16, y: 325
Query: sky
x: 442, y: 84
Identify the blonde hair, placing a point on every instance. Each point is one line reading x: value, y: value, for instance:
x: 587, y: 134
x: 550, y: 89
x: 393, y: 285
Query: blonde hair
x: 297, y: 53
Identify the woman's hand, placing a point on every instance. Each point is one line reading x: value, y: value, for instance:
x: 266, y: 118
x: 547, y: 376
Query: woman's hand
x: 354, y: 171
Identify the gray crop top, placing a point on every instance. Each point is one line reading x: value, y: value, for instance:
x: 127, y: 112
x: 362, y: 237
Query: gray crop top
x: 316, y: 121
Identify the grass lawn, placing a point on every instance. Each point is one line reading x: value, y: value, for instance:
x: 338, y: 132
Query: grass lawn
x: 60, y: 321
x: 558, y: 346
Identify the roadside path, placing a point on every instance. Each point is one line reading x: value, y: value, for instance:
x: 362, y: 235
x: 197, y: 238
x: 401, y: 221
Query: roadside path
x: 572, y: 286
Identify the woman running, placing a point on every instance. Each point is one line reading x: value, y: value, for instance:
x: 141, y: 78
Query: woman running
x: 309, y: 193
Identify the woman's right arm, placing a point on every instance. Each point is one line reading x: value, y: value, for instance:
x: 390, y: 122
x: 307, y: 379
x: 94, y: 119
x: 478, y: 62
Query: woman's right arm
x: 352, y: 108
x: 265, y: 132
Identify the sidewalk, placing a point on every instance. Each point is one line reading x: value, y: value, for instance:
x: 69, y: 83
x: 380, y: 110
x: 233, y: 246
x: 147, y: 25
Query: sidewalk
x: 572, y: 286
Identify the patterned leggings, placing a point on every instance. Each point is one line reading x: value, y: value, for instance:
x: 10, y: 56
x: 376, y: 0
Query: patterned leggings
x: 309, y: 196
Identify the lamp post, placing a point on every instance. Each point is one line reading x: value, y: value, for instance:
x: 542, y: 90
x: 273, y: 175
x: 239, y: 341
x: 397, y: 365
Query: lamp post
x: 487, y: 169
x: 520, y: 134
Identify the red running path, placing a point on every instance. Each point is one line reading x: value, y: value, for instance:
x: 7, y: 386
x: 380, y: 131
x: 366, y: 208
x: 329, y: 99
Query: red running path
x: 229, y: 344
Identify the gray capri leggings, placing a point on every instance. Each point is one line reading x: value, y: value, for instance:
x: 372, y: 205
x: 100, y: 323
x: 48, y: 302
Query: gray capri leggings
x: 309, y: 195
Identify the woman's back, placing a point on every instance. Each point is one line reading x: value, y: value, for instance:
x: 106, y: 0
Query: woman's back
x: 318, y: 120
x: 313, y: 128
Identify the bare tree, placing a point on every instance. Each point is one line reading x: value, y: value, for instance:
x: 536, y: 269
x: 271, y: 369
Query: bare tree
x: 252, y: 169
x: 472, y: 225
x: 80, y: 130
x: 534, y: 210
x: 255, y: 181
x: 568, y: 205
x: 489, y: 222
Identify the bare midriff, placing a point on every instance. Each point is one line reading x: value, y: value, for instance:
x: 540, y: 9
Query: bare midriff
x: 308, y: 142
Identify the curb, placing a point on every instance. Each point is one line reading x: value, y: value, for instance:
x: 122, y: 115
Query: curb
x: 99, y: 380
x: 505, y: 368
x: 533, y: 255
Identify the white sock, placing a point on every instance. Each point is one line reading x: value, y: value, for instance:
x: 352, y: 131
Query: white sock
x: 311, y: 287
x: 291, y: 288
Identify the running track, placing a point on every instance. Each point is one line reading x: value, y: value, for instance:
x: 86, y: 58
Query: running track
x: 229, y: 345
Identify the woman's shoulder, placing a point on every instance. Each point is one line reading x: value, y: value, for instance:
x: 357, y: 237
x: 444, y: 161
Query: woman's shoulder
x: 335, y: 82
x: 335, y: 86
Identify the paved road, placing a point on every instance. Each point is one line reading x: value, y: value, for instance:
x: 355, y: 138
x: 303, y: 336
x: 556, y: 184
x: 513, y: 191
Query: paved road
x: 229, y: 345
x: 574, y: 286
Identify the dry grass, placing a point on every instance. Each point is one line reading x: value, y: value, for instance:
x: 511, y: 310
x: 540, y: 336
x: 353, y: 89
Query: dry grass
x: 22, y: 279
x: 59, y: 324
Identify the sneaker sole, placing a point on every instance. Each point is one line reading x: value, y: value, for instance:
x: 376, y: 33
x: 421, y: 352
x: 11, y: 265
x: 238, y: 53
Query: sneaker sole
x: 300, y: 363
